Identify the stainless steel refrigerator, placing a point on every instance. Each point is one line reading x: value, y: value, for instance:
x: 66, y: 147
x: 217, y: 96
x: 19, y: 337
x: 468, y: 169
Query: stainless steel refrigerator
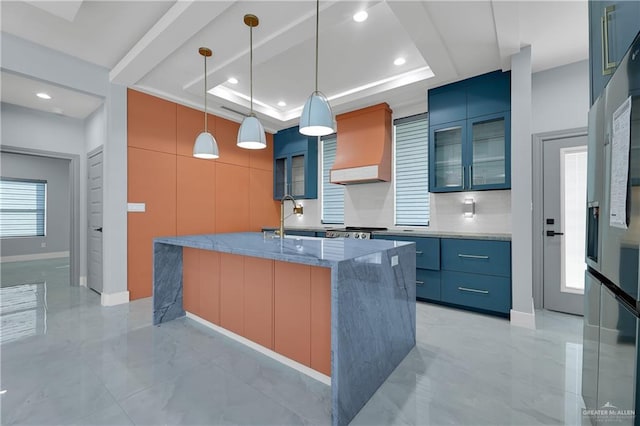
x: 610, y: 373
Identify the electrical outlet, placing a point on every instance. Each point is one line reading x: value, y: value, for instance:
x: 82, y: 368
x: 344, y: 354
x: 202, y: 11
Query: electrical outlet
x: 394, y: 260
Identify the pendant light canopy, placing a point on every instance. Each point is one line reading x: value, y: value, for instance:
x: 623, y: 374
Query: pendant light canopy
x: 251, y: 134
x: 317, y: 117
x: 205, y: 145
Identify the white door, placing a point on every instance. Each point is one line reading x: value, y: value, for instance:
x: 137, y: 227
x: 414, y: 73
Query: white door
x: 94, y: 209
x: 564, y: 223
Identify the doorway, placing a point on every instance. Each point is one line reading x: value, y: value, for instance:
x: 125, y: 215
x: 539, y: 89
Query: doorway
x: 560, y: 221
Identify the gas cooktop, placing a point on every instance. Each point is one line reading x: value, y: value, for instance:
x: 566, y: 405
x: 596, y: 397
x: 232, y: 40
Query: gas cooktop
x: 358, y: 232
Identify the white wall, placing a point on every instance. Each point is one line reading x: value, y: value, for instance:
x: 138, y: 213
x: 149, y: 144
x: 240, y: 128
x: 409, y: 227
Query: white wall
x: 521, y: 190
x: 95, y: 129
x: 35, y: 130
x: 560, y: 98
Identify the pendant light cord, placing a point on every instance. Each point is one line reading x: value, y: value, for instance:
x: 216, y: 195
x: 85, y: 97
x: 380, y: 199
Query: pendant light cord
x: 317, y: 27
x: 251, y: 65
x: 205, y: 93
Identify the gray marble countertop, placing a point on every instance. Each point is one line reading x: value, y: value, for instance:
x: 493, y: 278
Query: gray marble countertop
x: 439, y: 234
x: 411, y: 232
x: 326, y: 252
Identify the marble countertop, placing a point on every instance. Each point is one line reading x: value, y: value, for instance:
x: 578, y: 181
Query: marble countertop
x: 326, y: 252
x: 411, y: 232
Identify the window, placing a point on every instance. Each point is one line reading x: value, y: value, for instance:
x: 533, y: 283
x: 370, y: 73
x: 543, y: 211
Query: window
x: 332, y: 194
x: 412, y: 170
x: 22, y: 208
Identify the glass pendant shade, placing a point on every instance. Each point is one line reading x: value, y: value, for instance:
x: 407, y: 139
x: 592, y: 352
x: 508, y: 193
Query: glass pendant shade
x: 206, y: 146
x: 317, y: 117
x: 251, y: 134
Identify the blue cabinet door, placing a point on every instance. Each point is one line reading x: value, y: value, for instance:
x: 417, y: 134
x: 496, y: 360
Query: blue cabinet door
x: 447, y: 103
x: 427, y: 284
x: 446, y: 152
x: 476, y: 256
x: 488, y: 153
x: 486, y: 292
x: 488, y: 94
x: 295, y: 168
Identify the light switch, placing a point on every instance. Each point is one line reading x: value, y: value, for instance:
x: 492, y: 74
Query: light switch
x: 394, y: 260
x: 136, y: 207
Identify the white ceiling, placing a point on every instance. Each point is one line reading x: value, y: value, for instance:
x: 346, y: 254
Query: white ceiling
x: 153, y: 46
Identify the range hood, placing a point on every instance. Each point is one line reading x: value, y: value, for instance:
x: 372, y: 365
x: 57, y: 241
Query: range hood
x: 363, y: 152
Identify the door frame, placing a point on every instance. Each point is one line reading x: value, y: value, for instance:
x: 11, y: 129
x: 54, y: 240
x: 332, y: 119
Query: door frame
x: 74, y: 199
x: 95, y: 151
x: 538, y: 141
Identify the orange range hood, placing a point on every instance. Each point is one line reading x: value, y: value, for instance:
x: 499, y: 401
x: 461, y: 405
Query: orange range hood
x: 363, y: 152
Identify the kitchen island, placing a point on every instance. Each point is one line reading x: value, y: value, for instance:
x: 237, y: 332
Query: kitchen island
x: 272, y: 291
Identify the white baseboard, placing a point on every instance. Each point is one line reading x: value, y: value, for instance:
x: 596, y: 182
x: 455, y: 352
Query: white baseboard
x: 36, y: 256
x: 113, y: 299
x: 268, y: 352
x: 524, y: 319
x: 83, y: 281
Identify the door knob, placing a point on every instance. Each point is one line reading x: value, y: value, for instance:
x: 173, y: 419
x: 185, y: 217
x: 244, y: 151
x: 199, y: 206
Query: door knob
x: 554, y: 233
x: 99, y: 229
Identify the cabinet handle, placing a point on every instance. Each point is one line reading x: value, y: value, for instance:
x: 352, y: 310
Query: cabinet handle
x: 472, y: 256
x: 419, y: 253
x: 607, y: 66
x: 473, y: 290
x: 420, y: 283
x: 470, y: 176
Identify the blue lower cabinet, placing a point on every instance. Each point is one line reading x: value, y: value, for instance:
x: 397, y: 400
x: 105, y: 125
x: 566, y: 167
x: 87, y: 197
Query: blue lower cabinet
x: 427, y: 284
x: 427, y: 249
x: 485, y: 292
x: 477, y: 256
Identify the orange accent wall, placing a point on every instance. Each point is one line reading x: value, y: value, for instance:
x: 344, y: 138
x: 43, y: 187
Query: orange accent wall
x: 321, y: 320
x: 232, y: 292
x: 151, y: 122
x: 191, y: 280
x: 183, y: 194
x: 258, y: 300
x: 151, y: 180
x: 292, y: 284
x: 210, y: 286
x: 364, y: 138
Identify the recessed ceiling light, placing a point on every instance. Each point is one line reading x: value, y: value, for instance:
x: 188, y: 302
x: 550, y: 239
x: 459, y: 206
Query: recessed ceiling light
x: 399, y: 61
x: 360, y: 16
x: 43, y: 95
x: 282, y: 104
x: 233, y: 80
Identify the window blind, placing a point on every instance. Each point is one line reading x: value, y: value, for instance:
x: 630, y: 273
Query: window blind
x: 332, y: 194
x: 22, y: 208
x: 412, y: 170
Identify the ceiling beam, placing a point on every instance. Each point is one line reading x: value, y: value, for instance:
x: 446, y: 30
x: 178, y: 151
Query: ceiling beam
x: 184, y: 20
x: 418, y: 23
x: 506, y: 19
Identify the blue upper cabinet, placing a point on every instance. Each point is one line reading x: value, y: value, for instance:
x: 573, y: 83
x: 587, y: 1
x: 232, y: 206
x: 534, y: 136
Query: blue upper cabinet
x: 471, y: 150
x: 295, y: 164
x: 612, y: 27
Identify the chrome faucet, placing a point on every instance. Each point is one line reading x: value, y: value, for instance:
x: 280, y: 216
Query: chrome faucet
x: 297, y: 209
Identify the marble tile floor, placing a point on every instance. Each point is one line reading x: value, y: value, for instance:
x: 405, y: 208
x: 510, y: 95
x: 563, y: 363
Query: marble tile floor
x: 110, y: 366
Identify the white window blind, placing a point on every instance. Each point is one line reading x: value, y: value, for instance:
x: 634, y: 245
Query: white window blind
x: 22, y: 208
x: 332, y: 194
x: 412, y: 170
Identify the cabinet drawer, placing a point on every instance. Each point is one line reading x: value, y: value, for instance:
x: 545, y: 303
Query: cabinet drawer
x: 487, y: 292
x: 427, y: 250
x: 427, y: 284
x: 476, y: 256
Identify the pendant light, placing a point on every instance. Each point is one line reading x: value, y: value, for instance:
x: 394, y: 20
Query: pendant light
x: 251, y: 134
x: 317, y: 117
x: 206, y: 145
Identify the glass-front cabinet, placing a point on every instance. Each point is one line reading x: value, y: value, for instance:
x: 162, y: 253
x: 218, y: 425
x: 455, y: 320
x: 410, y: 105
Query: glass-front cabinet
x: 472, y: 154
x: 295, y: 168
x: 447, y: 141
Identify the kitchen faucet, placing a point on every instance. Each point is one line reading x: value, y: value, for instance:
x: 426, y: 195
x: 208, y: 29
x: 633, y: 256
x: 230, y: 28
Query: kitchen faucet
x: 297, y: 209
